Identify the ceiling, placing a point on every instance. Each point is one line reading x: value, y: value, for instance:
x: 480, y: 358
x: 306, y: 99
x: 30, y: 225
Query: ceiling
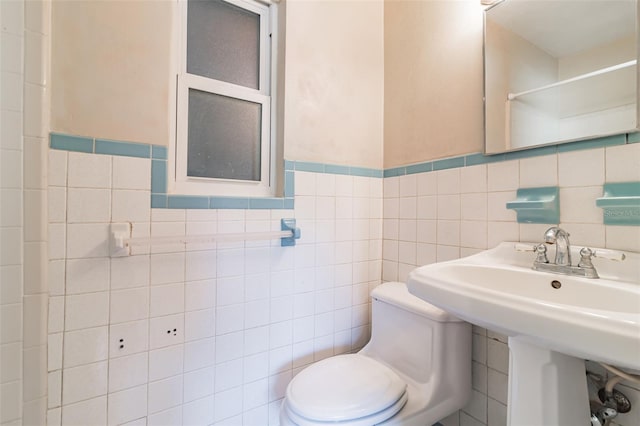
x: 566, y: 27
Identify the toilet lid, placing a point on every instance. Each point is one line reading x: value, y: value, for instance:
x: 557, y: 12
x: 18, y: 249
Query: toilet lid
x: 344, y: 387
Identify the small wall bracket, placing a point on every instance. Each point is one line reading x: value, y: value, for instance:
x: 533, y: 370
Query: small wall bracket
x: 620, y: 203
x: 120, y: 233
x: 537, y: 205
x: 289, y: 225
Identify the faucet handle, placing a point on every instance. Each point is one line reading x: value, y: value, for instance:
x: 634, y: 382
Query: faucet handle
x: 618, y: 256
x: 524, y: 247
x: 541, y: 253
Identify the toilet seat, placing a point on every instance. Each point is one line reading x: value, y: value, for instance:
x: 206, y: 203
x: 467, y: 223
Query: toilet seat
x: 346, y: 388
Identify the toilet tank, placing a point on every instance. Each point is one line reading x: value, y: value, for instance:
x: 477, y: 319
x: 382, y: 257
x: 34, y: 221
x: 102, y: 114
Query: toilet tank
x: 415, y: 337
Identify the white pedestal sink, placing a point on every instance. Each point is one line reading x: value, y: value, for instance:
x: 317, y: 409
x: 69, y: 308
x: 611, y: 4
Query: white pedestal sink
x: 553, y: 321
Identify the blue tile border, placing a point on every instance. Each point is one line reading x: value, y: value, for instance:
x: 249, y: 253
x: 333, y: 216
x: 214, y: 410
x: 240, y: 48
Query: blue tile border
x: 70, y: 143
x: 187, y: 202
x: 159, y: 155
x: 139, y: 150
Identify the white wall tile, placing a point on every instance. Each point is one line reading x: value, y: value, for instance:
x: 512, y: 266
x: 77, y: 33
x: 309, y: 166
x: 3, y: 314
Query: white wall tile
x: 408, y: 185
x: 498, y: 232
x: 85, y: 346
x: 55, y: 348
x: 473, y: 234
x: 128, y: 338
x: 127, y: 405
x: 92, y: 411
x: 448, y: 207
x: 496, y: 413
x: 581, y: 168
x: 165, y: 394
x: 89, y: 170
x: 623, y: 238
x: 87, y: 275
x: 228, y: 375
x: 344, y: 186
x: 496, y: 206
x: 88, y: 205
x: 166, y: 331
x: 448, y: 181
x: 131, y: 173
x: 578, y: 205
x: 199, y: 411
x: 57, y: 204
x: 539, y: 171
x: 84, y: 382
x: 391, y: 187
x: 34, y: 320
x: 167, y: 268
x: 497, y: 385
x: 131, y: 206
x: 86, y: 310
x: 129, y: 272
x: 172, y: 416
x: 11, y: 209
x: 199, y: 324
x: 35, y: 220
x: 325, y: 184
x: 11, y: 169
x: 361, y: 186
x: 57, y: 170
x: 166, y: 362
x: 586, y: 234
x: 498, y: 356
x: 54, y: 391
x: 199, y: 384
x: 473, y: 179
x: 200, y: 295
x: 35, y: 163
x: 425, y: 254
x: 87, y: 240
x: 448, y: 232
x: 445, y: 253
x: 227, y: 404
x: 10, y: 362
x: 503, y: 176
x: 622, y: 163
x: 305, y: 183
x: 56, y: 314
x: 11, y: 290
x: 128, y: 371
x: 166, y: 299
x: 426, y: 184
x: 473, y: 206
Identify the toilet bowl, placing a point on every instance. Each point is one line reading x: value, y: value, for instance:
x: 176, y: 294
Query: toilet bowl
x: 415, y: 370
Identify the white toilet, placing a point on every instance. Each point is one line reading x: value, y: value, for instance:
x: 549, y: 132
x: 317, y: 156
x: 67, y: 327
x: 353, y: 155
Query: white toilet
x: 415, y: 370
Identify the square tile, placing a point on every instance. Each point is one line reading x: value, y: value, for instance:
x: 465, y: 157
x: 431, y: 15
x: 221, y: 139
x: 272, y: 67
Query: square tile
x: 84, y: 382
x: 89, y: 170
x: 85, y: 346
x: 127, y: 405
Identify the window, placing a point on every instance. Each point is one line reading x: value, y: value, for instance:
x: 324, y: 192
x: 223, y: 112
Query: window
x: 225, y: 128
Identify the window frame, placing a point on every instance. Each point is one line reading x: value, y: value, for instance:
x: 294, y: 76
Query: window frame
x: 179, y: 181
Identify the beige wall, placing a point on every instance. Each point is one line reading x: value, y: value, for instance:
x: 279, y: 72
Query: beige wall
x: 334, y: 82
x: 433, y: 80
x: 111, y: 75
x: 110, y: 69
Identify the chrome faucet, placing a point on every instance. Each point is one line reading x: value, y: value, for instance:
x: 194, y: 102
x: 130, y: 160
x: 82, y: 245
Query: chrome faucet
x: 562, y: 264
x: 559, y: 237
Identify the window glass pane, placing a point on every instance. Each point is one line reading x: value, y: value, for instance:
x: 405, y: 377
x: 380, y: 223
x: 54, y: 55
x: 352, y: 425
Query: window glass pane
x: 224, y: 137
x: 223, y: 42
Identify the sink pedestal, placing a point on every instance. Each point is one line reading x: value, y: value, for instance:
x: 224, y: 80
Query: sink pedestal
x: 545, y: 387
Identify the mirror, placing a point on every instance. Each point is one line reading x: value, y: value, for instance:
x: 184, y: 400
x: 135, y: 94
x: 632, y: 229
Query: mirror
x: 559, y: 71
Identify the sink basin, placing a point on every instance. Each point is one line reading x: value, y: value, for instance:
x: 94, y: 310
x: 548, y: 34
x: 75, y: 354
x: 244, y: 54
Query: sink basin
x: 554, y: 322
x: 597, y: 319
